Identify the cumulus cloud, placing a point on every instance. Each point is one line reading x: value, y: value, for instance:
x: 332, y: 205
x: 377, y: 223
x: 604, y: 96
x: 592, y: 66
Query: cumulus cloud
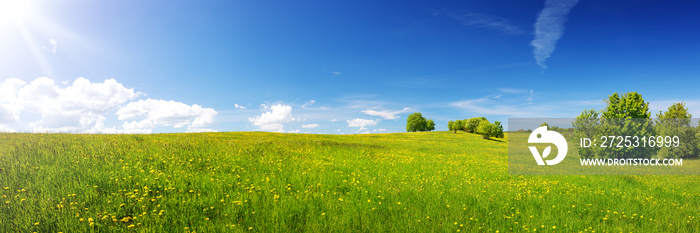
x: 357, y: 122
x: 82, y: 107
x: 386, y: 114
x: 75, y: 108
x: 309, y: 126
x: 379, y: 130
x: 239, y: 106
x: 294, y: 131
x: 274, y: 117
x: 549, y: 28
x: 10, y: 106
x: 154, y: 113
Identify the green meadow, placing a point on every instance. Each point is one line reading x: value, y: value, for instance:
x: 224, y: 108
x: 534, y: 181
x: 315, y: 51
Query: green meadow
x: 270, y: 182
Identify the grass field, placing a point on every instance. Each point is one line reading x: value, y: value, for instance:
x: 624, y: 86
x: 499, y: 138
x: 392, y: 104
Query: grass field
x: 254, y: 181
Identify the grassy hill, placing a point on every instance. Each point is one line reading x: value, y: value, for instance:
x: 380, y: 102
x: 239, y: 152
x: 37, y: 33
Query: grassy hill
x: 254, y: 181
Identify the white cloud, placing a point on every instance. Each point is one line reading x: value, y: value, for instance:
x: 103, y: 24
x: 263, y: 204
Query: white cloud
x: 549, y: 28
x: 379, y: 130
x: 81, y: 107
x: 357, y: 122
x: 53, y: 45
x: 511, y: 90
x: 309, y: 126
x: 294, y: 131
x: 480, y: 20
x: 311, y: 102
x: 239, y: 106
x: 485, y: 21
x: 165, y: 113
x: 191, y: 129
x: 334, y: 120
x: 485, y: 107
x: 10, y: 106
x: 517, y: 108
x: 75, y: 108
x: 5, y: 129
x: 386, y: 114
x: 274, y: 117
x: 336, y: 72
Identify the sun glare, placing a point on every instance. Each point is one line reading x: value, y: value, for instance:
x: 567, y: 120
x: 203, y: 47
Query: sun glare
x: 14, y: 10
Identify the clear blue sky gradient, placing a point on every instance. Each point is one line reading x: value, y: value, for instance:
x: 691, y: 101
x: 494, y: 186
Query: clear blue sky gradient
x: 448, y: 59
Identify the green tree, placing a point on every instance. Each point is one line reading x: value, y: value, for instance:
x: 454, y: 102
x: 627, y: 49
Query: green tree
x: 486, y: 129
x: 472, y: 124
x: 449, y: 125
x: 430, y: 125
x: 457, y: 125
x: 545, y: 124
x: 498, y: 130
x: 675, y: 122
x: 626, y: 115
x: 586, y: 126
x: 415, y: 122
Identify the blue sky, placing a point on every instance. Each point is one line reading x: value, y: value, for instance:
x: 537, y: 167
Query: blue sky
x: 333, y: 66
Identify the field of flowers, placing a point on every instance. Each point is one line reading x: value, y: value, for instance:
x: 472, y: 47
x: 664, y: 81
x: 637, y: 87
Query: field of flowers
x: 255, y: 181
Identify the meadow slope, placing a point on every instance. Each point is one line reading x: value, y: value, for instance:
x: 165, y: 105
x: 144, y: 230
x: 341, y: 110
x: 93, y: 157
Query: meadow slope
x: 255, y: 181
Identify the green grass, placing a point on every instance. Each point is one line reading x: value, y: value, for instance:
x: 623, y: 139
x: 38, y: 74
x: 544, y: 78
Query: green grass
x: 229, y: 182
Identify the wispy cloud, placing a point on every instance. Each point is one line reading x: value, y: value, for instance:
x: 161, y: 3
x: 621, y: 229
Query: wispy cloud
x: 483, y: 21
x: 517, y: 108
x: 239, y: 106
x: 357, y: 122
x: 53, y: 45
x: 512, y: 91
x: 309, y: 126
x: 312, y: 102
x: 549, y: 28
x: 386, y: 114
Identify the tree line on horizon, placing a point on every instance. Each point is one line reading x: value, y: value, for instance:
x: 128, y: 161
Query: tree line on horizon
x: 477, y: 125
